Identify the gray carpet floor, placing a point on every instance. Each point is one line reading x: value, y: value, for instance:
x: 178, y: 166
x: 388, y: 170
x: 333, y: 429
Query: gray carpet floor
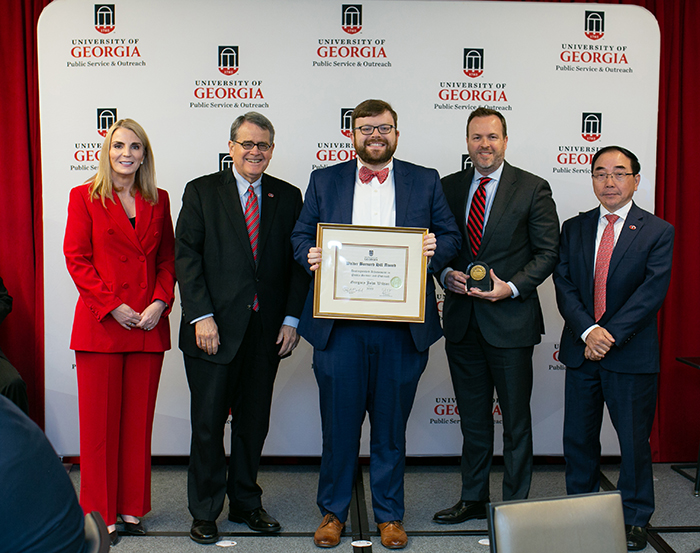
x: 290, y: 491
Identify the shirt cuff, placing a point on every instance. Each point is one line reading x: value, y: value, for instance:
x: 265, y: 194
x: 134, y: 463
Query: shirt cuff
x: 443, y: 275
x: 290, y: 321
x: 202, y: 318
x: 588, y: 331
x: 514, y: 289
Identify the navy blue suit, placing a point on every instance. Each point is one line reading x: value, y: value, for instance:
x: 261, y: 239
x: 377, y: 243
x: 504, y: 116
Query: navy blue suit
x: 357, y: 362
x: 625, y: 379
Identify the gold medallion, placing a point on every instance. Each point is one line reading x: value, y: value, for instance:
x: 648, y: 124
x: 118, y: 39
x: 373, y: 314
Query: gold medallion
x: 477, y: 272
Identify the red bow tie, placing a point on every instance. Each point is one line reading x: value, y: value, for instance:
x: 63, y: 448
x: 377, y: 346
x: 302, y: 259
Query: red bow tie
x: 367, y: 175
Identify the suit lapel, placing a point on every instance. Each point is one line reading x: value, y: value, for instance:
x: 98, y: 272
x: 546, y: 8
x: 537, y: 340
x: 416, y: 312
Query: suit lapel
x: 463, y: 198
x: 345, y: 190
x: 270, y: 201
x: 118, y: 215
x: 228, y: 192
x: 589, y: 228
x: 403, y: 184
x: 504, y: 192
x: 632, y: 227
x: 144, y: 214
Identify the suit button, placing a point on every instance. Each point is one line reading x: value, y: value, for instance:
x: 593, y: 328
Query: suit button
x: 123, y: 258
x: 143, y: 285
x: 142, y: 258
x: 156, y: 234
x: 125, y: 285
x: 110, y: 231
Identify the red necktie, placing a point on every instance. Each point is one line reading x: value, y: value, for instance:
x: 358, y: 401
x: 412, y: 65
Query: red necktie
x: 252, y: 222
x: 367, y: 174
x: 602, y: 264
x: 475, y: 220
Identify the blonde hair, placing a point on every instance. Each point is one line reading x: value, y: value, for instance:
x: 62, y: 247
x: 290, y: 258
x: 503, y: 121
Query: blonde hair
x: 101, y: 185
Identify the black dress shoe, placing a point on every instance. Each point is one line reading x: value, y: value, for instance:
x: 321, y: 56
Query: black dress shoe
x: 636, y: 537
x: 114, y: 538
x: 134, y: 528
x: 204, y: 531
x: 461, y: 511
x: 257, y: 519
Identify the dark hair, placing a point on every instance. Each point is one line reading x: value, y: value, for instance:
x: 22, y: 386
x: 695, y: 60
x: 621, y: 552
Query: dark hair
x: 486, y: 112
x: 370, y: 108
x: 257, y: 119
x: 636, y: 167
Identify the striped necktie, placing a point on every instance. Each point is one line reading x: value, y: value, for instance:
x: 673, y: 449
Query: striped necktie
x: 475, y: 220
x: 252, y: 222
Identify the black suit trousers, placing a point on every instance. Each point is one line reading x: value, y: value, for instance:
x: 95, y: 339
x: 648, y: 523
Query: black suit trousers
x: 476, y: 368
x: 245, y: 387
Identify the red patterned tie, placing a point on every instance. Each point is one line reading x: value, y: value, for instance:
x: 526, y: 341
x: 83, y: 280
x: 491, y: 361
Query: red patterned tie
x: 602, y: 264
x: 475, y: 221
x: 252, y: 222
x: 367, y: 174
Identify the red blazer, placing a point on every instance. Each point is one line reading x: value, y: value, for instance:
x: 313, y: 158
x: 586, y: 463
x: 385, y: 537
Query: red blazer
x: 112, y: 263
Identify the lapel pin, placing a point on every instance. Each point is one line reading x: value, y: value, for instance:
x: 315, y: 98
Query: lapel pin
x: 270, y: 195
x: 632, y: 227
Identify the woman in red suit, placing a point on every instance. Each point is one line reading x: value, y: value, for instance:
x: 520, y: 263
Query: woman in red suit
x: 119, y: 248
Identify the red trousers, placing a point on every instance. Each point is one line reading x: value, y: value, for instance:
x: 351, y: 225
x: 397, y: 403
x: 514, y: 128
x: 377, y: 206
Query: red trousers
x: 116, y: 400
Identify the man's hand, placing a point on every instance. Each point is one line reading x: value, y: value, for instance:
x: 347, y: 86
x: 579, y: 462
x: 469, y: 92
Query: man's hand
x: 598, y: 343
x: 289, y: 339
x: 207, y: 333
x: 456, y: 281
x: 429, y: 244
x: 314, y: 257
x: 126, y: 316
x: 500, y: 291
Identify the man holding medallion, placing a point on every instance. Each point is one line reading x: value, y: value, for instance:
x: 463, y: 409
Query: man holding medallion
x: 492, y: 317
x: 370, y: 366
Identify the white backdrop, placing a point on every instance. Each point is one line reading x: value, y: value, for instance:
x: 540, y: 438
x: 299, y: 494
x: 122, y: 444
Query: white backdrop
x: 569, y: 78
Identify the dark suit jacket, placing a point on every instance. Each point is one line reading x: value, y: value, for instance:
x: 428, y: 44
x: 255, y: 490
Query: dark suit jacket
x: 112, y: 263
x: 519, y: 243
x: 419, y: 203
x: 215, y: 266
x: 638, y: 278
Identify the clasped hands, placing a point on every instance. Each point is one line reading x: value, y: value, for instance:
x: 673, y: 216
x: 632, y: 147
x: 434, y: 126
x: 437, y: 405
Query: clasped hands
x: 128, y: 318
x: 598, y: 343
x: 315, y: 255
x: 456, y: 282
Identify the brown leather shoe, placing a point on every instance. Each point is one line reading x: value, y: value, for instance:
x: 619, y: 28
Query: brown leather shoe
x: 328, y: 533
x: 393, y: 534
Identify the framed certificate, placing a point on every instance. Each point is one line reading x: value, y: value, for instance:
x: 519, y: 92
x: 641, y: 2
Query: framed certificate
x: 370, y: 273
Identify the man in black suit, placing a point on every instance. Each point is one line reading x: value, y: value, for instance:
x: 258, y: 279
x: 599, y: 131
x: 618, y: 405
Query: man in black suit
x: 613, y: 273
x: 11, y: 384
x: 242, y: 294
x: 508, y: 221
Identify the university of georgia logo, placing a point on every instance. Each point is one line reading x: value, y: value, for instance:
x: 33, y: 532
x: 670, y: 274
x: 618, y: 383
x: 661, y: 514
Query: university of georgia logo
x: 104, y: 18
x: 228, y: 59
x: 466, y: 162
x: 591, y: 126
x: 594, y: 25
x: 473, y: 62
x: 351, y: 18
x: 225, y: 162
x: 105, y: 119
x: 346, y: 122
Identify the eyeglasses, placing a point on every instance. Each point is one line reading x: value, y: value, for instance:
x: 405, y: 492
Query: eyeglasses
x: 369, y: 129
x: 249, y: 145
x: 618, y: 176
